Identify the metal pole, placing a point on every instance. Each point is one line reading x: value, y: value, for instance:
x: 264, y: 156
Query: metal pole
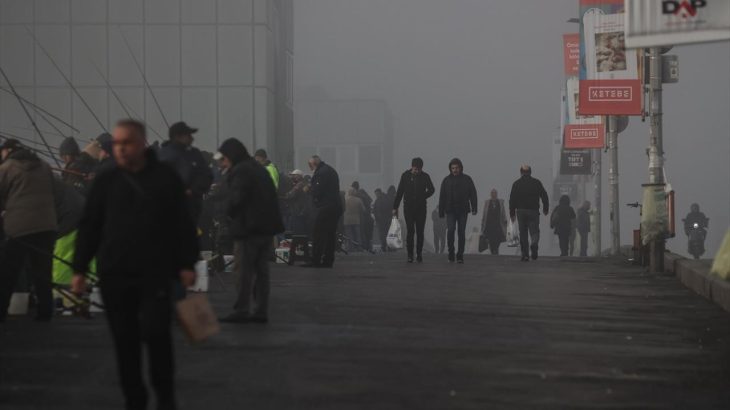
x: 656, y: 146
x: 597, y: 180
x: 613, y: 198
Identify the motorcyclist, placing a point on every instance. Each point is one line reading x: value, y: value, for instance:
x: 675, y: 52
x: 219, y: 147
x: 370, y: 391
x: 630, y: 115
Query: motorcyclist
x: 695, y: 227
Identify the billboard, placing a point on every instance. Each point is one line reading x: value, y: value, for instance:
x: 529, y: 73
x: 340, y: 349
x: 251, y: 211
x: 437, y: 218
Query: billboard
x: 571, y: 54
x: 576, y: 163
x: 580, y: 131
x: 651, y: 23
x: 610, y: 82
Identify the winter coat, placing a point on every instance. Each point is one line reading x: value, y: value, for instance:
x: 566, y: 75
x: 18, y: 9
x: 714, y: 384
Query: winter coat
x: 273, y: 173
x: 354, y: 208
x: 190, y: 165
x: 26, y: 195
x: 79, y: 170
x: 69, y: 204
x: 326, y: 189
x: 137, y: 224
x: 500, y: 223
x: 383, y: 209
x: 297, y: 200
x: 414, y: 190
x: 458, y: 195
x: 583, y: 221
x: 253, y: 203
x: 561, y: 220
x: 526, y: 194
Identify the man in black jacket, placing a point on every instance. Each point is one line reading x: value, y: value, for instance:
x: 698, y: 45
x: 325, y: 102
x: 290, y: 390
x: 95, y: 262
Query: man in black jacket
x: 136, y: 223
x: 524, y: 204
x: 414, y: 189
x: 253, y: 207
x: 328, y: 207
x: 458, y: 197
x: 188, y: 161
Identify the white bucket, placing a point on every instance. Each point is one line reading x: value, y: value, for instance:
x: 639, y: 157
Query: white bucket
x: 201, y: 277
x: 19, y: 303
x: 95, y: 298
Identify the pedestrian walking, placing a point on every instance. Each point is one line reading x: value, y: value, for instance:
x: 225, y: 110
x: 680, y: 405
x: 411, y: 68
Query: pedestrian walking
x: 366, y: 218
x: 561, y: 221
x: 494, y: 222
x: 583, y: 226
x: 136, y: 222
x: 439, y: 231
x: 524, y: 204
x: 383, y: 211
x: 354, y: 209
x: 414, y: 189
x: 458, y: 197
x: 328, y: 207
x: 188, y: 161
x: 254, y: 209
x: 29, y: 222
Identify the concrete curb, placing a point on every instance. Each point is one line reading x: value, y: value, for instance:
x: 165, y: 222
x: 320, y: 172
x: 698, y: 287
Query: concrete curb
x: 695, y: 274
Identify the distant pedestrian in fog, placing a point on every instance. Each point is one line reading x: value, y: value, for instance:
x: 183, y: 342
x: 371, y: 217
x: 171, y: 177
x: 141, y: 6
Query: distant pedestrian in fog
x: 494, y: 222
x: 561, y: 221
x: 524, y: 204
x: 583, y: 226
x: 414, y: 189
x: 383, y: 211
x: 366, y: 218
x: 439, y: 231
x: 298, y: 203
x: 325, y: 189
x: 458, y: 197
x: 354, y: 208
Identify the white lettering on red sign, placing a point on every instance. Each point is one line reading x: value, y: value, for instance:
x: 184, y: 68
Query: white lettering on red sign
x: 583, y: 134
x: 607, y: 94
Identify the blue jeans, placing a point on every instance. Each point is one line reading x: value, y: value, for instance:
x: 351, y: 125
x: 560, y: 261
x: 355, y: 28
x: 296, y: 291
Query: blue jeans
x: 452, y: 220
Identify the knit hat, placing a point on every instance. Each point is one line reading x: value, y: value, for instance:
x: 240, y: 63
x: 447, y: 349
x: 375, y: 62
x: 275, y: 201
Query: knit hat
x: 69, y: 147
x: 105, y: 142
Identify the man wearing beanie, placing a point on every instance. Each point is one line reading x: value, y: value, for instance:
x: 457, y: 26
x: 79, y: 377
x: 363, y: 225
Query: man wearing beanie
x: 253, y: 207
x: 78, y: 166
x: 414, y: 189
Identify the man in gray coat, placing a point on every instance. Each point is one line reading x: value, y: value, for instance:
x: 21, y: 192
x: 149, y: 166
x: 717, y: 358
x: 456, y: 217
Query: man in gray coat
x: 29, y: 221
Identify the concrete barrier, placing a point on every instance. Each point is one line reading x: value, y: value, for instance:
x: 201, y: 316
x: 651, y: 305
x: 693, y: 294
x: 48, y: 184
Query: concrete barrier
x: 695, y: 274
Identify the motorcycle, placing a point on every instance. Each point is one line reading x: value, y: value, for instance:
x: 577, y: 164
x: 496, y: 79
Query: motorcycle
x: 696, y: 244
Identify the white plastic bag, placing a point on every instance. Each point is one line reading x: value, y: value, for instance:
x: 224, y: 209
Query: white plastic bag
x: 513, y: 234
x: 395, y: 238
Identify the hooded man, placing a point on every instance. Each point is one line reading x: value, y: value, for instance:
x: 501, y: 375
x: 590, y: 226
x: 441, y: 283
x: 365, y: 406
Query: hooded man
x: 524, y: 204
x: 325, y: 189
x: 188, y: 161
x: 78, y: 166
x: 414, y: 189
x: 457, y: 199
x: 29, y: 222
x: 254, y: 210
x: 137, y: 224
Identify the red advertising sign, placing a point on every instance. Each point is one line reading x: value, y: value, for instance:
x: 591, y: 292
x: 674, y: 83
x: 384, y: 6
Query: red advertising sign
x: 610, y: 82
x: 571, y: 54
x: 583, y: 136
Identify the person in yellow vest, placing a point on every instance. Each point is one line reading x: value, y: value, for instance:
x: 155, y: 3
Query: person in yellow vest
x: 263, y: 159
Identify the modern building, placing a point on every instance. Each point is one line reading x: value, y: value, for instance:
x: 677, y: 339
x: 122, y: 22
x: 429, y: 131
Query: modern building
x: 224, y: 66
x: 355, y: 136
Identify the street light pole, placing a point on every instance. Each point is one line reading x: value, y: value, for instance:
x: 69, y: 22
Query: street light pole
x: 656, y: 145
x: 613, y: 195
x: 597, y: 182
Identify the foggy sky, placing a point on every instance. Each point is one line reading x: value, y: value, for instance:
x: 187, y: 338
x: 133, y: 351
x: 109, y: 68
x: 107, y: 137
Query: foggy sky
x: 481, y: 80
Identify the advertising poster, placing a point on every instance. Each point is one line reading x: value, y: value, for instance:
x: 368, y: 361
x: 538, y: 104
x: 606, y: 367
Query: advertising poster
x: 609, y: 74
x: 581, y: 131
x: 652, y: 23
x: 571, y: 54
x: 576, y: 163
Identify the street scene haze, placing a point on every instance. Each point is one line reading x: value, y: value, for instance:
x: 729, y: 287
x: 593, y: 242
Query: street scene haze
x: 375, y: 204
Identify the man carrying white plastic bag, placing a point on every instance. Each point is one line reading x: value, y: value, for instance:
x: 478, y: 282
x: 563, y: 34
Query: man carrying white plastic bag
x: 395, y: 237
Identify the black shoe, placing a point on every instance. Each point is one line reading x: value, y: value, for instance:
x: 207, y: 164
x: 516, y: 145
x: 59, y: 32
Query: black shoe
x: 236, y: 317
x: 525, y: 259
x: 460, y: 260
x: 533, y: 250
x: 410, y: 258
x: 419, y: 259
x: 262, y: 320
x: 451, y: 257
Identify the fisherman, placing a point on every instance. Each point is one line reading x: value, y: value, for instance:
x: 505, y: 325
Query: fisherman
x: 263, y: 158
x: 254, y: 209
x: 137, y: 222
x: 458, y: 197
x: 298, y: 203
x: 524, y: 204
x: 78, y: 166
x: 414, y: 189
x: 29, y: 223
x: 329, y: 206
x: 188, y: 161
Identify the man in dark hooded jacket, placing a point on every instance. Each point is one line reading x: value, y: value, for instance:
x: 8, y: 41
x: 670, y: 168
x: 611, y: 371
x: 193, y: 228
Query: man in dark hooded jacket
x: 254, y: 210
x: 29, y: 222
x: 78, y: 166
x: 458, y: 197
x: 325, y: 189
x: 414, y: 189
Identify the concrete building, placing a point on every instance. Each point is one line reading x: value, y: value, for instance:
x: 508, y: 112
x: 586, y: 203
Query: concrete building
x: 224, y: 66
x: 355, y: 136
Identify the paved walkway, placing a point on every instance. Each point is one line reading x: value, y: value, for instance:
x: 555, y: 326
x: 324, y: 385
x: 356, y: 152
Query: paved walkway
x: 376, y: 333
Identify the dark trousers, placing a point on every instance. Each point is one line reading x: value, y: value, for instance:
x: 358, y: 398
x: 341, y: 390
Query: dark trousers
x: 324, y: 235
x: 139, y: 312
x: 366, y: 231
x: 354, y: 233
x: 564, y: 240
x: 584, y: 243
x: 494, y: 246
x: 33, y: 254
x: 253, y: 254
x: 529, y: 223
x: 439, y: 240
x: 415, y: 223
x: 454, y: 223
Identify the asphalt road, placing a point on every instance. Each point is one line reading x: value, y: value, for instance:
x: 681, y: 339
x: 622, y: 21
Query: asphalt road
x: 377, y: 333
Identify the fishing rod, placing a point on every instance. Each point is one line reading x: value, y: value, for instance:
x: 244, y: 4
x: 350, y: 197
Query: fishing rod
x: 144, y: 78
x: 50, y: 132
x: 34, y: 150
x: 30, y: 117
x: 41, y: 110
x: 8, y: 135
x: 66, y: 78
x: 128, y: 110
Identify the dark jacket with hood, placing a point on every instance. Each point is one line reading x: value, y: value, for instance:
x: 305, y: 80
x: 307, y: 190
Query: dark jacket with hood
x: 458, y: 193
x: 78, y: 172
x: 414, y: 190
x: 253, y: 203
x: 326, y: 189
x: 190, y: 165
x: 69, y: 205
x: 562, y: 217
x: 527, y: 192
x: 137, y: 224
x: 26, y: 194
